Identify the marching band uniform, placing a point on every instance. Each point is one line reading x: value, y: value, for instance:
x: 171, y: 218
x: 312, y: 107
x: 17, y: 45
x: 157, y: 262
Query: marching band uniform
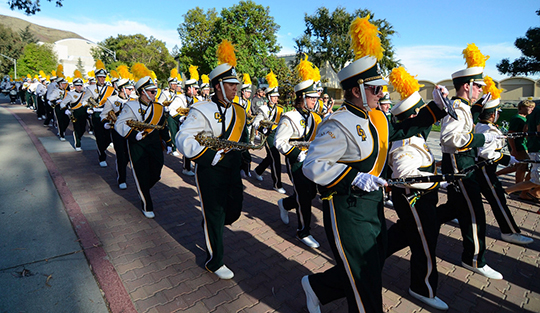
x: 57, y: 95
x: 73, y: 103
x: 270, y: 112
x: 245, y: 103
x: 145, y: 150
x: 217, y: 173
x: 40, y: 92
x: 48, y: 109
x: 300, y: 125
x: 187, y: 99
x: 115, y: 103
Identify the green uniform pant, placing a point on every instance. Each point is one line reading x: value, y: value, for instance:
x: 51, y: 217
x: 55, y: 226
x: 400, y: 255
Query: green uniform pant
x: 173, y: 123
x: 221, y: 193
x: 122, y: 156
x: 103, y: 136
x: 356, y: 230
x: 80, y: 125
x: 273, y: 159
x: 62, y: 120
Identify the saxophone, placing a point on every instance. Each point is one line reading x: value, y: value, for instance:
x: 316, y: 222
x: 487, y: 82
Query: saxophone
x: 302, y: 145
x: 218, y: 144
x: 266, y: 124
x: 182, y: 111
x: 71, y: 116
x: 166, y: 103
x: 111, y: 117
x: 142, y: 126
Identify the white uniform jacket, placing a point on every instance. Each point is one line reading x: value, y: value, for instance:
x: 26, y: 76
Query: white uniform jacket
x: 492, y: 150
x: 73, y: 99
x: 100, y: 94
x: 114, y: 103
x: 295, y: 126
x: 268, y: 113
x: 458, y: 136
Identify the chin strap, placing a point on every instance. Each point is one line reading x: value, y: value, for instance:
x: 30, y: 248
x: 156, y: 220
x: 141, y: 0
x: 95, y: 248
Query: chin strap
x: 364, y: 98
x: 470, y: 91
x: 223, y: 93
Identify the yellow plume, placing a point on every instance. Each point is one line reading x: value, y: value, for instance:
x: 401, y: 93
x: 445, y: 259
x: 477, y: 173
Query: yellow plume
x: 91, y: 74
x: 225, y: 53
x: 107, y: 78
x: 60, y: 70
x: 53, y: 73
x: 205, y: 79
x: 306, y: 70
x: 364, y: 39
x: 473, y: 56
x: 36, y: 77
x: 69, y: 79
x: 403, y: 82
x: 49, y: 77
x: 29, y: 76
x: 384, y: 89
x: 179, y: 77
x: 174, y: 72
x: 153, y: 75
x: 272, y: 80
x: 193, y: 74
x: 77, y: 74
x: 123, y: 71
x: 42, y: 74
x: 139, y: 71
x: 491, y: 87
x: 247, y: 79
x: 99, y: 65
x: 114, y: 74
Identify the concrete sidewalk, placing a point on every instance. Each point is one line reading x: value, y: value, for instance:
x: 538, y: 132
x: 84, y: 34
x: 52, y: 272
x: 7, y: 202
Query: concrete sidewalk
x: 159, y: 262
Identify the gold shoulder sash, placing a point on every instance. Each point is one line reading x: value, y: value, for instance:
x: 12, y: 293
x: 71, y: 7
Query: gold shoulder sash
x: 378, y: 119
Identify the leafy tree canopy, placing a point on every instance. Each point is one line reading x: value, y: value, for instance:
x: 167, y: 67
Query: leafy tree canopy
x: 529, y: 62
x: 12, y: 46
x: 27, y: 36
x: 326, y: 38
x: 29, y: 7
x: 35, y: 58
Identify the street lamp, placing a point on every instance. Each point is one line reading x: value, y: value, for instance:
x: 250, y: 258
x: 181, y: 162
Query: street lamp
x: 106, y: 49
x: 14, y: 63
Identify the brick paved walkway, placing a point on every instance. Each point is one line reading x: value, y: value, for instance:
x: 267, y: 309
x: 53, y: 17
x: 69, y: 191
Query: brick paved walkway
x: 160, y: 261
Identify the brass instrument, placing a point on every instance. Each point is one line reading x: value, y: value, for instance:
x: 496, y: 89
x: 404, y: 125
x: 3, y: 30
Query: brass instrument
x: 71, y: 116
x: 182, y: 111
x: 266, y: 124
x: 142, y: 126
x: 93, y: 103
x: 250, y: 119
x: 166, y: 103
x: 218, y: 144
x: 111, y: 117
x: 302, y: 145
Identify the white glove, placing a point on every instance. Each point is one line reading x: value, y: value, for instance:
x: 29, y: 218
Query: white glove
x: 218, y: 157
x: 90, y: 111
x: 107, y: 126
x: 139, y: 136
x: 166, y: 109
x: 302, y: 156
x: 437, y: 97
x: 68, y: 112
x: 169, y: 150
x: 513, y: 160
x: 181, y: 119
x: 368, y: 182
x: 484, y: 99
x: 444, y: 184
x: 489, y: 137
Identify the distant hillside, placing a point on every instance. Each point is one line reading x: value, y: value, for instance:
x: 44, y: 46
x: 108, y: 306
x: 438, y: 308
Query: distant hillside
x: 42, y: 33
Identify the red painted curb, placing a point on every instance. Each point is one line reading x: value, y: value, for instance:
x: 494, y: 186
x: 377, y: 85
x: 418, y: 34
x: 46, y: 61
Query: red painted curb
x: 105, y: 273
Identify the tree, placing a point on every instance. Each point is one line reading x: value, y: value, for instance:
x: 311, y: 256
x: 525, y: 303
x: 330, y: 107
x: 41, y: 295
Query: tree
x: 529, y: 63
x: 27, y: 36
x: 28, y: 6
x: 11, y: 46
x: 136, y: 48
x: 80, y: 66
x: 326, y: 38
x: 35, y: 58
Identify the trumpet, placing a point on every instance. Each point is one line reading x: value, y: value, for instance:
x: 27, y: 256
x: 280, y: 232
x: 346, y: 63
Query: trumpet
x: 182, y: 111
x: 218, y: 144
x: 142, y: 126
x: 111, y: 117
x: 71, y: 116
x: 166, y: 103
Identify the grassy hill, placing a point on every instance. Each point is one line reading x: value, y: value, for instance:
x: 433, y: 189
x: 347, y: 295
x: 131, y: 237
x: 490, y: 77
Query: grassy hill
x: 44, y: 34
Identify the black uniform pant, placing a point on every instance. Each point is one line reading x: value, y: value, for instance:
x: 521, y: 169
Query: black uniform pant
x: 79, y: 126
x: 122, y: 156
x: 304, y: 192
x: 40, y: 109
x: 221, y: 193
x: 273, y: 159
x: 417, y: 228
x: 62, y: 120
x: 103, y: 136
x: 356, y: 231
x: 146, y: 165
x: 494, y: 193
x: 29, y: 100
x: 465, y: 204
x: 49, y: 113
x: 173, y: 124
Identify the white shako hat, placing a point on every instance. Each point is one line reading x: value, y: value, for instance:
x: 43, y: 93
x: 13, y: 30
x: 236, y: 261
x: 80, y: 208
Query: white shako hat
x: 473, y: 74
x: 310, y: 77
x: 78, y: 82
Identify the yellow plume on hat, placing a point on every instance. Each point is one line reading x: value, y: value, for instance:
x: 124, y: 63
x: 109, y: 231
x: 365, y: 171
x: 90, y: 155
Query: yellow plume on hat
x: 153, y: 75
x: 174, y: 73
x: 139, y: 71
x: 42, y: 74
x: 272, y: 80
x: 29, y: 76
x: 99, y: 65
x: 247, y: 79
x: 225, y: 53
x: 53, y: 73
x: 306, y: 70
x: 60, y: 70
x: 179, y: 77
x: 114, y: 74
x: 123, y: 71
x: 77, y: 74
x: 403, y: 82
x: 364, y: 39
x: 36, y: 76
x: 205, y: 79
x: 91, y: 74
x: 384, y: 89
x: 48, y: 77
x: 490, y: 87
x: 69, y: 79
x: 193, y: 74
x: 474, y: 57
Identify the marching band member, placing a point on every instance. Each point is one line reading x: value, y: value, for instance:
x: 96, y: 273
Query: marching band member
x: 72, y: 106
x: 299, y: 125
x: 270, y: 112
x: 346, y: 159
x: 245, y: 102
x: 217, y: 172
x: 489, y: 183
x: 40, y: 92
x: 112, y: 108
x: 173, y: 104
x: 205, y: 88
x: 144, y: 143
x: 49, y: 119
x: 57, y: 95
x: 189, y: 97
x: 417, y: 226
x: 459, y: 145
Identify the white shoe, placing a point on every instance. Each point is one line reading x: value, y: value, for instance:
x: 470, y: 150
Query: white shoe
x: 257, y: 176
x: 432, y: 302
x: 224, y: 272
x: 455, y: 221
x: 389, y: 203
x: 78, y: 149
x: 284, y: 214
x: 62, y: 139
x: 90, y: 132
x: 39, y: 118
x: 188, y: 173
x: 280, y: 190
x: 309, y: 241
x: 516, y: 238
x: 122, y: 186
x: 176, y: 153
x: 312, y: 301
x: 149, y: 214
x: 484, y: 271
x: 103, y: 163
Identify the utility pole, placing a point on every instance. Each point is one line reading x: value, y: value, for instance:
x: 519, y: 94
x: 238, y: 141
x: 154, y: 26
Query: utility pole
x: 14, y: 63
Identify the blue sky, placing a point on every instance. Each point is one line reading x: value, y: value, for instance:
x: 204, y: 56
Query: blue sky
x: 430, y: 34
